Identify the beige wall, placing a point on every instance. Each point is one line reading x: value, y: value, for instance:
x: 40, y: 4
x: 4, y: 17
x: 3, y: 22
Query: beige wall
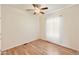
x: 18, y: 27
x: 0, y: 28
x: 70, y: 27
x: 42, y: 19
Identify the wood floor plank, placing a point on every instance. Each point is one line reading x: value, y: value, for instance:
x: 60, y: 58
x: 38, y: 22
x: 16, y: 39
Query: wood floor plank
x: 40, y: 47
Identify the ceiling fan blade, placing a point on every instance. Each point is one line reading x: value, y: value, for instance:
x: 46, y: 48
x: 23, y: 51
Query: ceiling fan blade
x: 44, y: 8
x: 34, y: 13
x: 36, y: 5
x: 29, y: 9
x: 42, y: 12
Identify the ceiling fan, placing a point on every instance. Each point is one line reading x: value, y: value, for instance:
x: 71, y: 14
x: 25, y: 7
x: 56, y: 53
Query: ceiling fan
x: 37, y: 9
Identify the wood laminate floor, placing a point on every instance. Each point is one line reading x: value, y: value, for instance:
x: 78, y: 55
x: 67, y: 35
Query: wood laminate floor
x: 40, y: 47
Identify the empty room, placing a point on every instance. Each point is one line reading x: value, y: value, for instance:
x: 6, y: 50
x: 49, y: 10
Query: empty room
x: 39, y: 29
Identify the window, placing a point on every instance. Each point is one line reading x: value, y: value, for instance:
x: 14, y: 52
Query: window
x: 53, y: 27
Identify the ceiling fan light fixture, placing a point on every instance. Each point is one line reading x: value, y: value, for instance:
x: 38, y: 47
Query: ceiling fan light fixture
x: 37, y: 10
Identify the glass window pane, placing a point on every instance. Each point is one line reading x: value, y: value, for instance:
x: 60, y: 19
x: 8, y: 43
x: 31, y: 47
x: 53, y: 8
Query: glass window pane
x: 53, y: 27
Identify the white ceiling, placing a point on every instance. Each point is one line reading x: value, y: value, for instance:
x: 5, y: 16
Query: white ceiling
x: 51, y: 7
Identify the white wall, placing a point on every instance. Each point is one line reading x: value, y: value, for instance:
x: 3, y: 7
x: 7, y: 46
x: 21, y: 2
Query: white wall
x: 18, y: 27
x: 70, y: 27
